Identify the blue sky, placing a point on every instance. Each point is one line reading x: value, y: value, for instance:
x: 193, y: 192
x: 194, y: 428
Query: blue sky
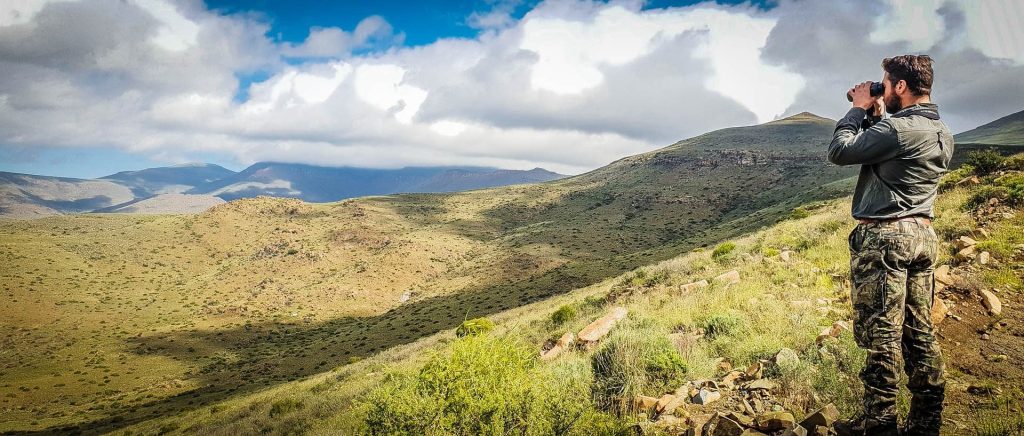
x: 93, y: 87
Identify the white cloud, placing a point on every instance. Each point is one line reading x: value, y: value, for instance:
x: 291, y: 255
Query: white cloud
x: 571, y: 86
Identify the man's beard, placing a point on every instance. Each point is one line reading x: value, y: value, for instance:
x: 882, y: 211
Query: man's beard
x: 893, y: 104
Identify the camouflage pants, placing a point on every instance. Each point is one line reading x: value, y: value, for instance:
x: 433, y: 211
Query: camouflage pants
x: 891, y: 266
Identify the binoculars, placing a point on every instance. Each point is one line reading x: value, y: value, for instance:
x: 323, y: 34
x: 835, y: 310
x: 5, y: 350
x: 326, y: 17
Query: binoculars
x: 877, y: 89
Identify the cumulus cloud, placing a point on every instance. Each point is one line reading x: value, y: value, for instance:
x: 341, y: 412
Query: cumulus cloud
x: 571, y: 86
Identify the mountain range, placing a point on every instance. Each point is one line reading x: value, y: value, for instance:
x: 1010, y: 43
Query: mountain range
x: 196, y: 187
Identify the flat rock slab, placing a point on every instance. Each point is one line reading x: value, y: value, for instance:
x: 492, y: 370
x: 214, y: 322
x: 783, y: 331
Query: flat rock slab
x: 600, y: 327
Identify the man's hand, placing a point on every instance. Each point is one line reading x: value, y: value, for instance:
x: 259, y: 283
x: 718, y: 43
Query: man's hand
x: 862, y: 98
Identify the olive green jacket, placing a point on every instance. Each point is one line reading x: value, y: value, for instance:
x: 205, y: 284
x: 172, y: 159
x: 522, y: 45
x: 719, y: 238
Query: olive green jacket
x: 901, y: 157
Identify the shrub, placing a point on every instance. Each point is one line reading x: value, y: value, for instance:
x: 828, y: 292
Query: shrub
x: 723, y: 250
x: 1015, y: 162
x: 285, y: 406
x: 984, y: 161
x: 799, y: 213
x: 1014, y: 184
x: 721, y: 324
x: 770, y: 251
x: 483, y: 385
x: 633, y: 361
x: 564, y: 314
x: 951, y: 178
x: 476, y: 326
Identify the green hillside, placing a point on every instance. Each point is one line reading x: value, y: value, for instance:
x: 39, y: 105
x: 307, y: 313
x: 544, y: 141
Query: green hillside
x: 1008, y: 130
x: 793, y: 284
x: 116, y: 319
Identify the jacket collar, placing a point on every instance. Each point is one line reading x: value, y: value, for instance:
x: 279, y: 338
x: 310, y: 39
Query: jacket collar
x: 927, y: 110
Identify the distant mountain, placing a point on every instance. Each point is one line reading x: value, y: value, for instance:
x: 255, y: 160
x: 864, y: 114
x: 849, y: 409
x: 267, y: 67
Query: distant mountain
x: 326, y: 184
x: 1008, y: 130
x: 29, y: 196
x: 165, y: 204
x: 173, y: 179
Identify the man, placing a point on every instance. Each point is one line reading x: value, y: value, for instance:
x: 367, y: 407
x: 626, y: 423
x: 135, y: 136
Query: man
x: 893, y: 248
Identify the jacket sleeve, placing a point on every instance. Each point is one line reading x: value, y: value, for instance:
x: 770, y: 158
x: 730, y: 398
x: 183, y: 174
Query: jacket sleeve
x: 851, y: 145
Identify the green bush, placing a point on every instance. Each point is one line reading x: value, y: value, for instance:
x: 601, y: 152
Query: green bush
x: 951, y: 178
x: 285, y: 406
x: 799, y: 213
x: 642, y: 278
x: 1014, y: 184
x: 637, y: 360
x: 723, y: 250
x: 476, y: 326
x: 770, y: 251
x: 1015, y: 162
x: 484, y: 385
x: 984, y: 161
x: 564, y: 314
x: 721, y: 324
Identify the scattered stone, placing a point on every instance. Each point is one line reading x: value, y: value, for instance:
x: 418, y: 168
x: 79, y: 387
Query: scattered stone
x: 754, y: 371
x: 982, y: 233
x: 742, y: 419
x: 786, y: 357
x: 600, y: 327
x: 943, y: 276
x: 563, y: 343
x: 727, y: 427
x: 663, y: 401
x: 985, y: 336
x: 837, y: 329
x: 775, y: 421
x: 730, y: 379
x: 761, y: 384
x: 727, y: 278
x: 966, y: 254
x: 670, y: 407
x: 964, y: 242
x: 786, y: 255
x: 984, y: 258
x: 939, y: 311
x: 973, y: 180
x: 706, y: 396
x: 689, y: 287
x: 724, y: 365
x: 824, y: 417
x: 991, y: 302
x: 644, y: 402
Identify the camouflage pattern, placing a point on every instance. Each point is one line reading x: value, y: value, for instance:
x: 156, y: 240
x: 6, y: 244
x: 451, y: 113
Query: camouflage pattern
x: 891, y: 266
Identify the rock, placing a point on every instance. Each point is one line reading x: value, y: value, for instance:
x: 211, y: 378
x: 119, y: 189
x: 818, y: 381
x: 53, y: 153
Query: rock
x: 644, y: 403
x: 991, y: 302
x: 981, y: 233
x: 984, y: 258
x: 964, y: 242
x: 600, y: 327
x: 966, y: 254
x: 837, y: 329
x: 796, y: 431
x: 754, y: 371
x: 731, y: 378
x: 727, y: 427
x: 663, y: 402
x: 786, y: 357
x: 824, y: 417
x: 672, y: 406
x: 786, y: 255
x: 742, y: 419
x: 706, y: 396
x: 973, y: 180
x: 943, y: 275
x: 689, y: 287
x: 760, y: 384
x: 775, y: 421
x: 563, y: 343
x: 727, y: 278
x: 724, y: 365
x: 939, y: 311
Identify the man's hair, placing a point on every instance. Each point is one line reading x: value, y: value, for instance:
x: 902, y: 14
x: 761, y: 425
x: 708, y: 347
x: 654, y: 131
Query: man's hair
x: 915, y: 69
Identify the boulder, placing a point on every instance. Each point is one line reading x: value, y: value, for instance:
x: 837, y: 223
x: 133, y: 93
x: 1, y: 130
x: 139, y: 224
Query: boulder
x: 663, y: 402
x: 761, y: 384
x: 689, y: 287
x: 706, y: 396
x: 834, y: 331
x: 600, y: 327
x: 725, y: 426
x: 728, y: 278
x: 824, y: 417
x: 939, y: 311
x: 563, y: 343
x: 670, y: 407
x: 731, y: 378
x: 754, y: 371
x: 786, y: 357
x: 984, y: 258
x: 991, y: 302
x: 966, y: 254
x: 944, y: 277
x: 775, y: 421
x: 964, y: 242
x: 644, y: 403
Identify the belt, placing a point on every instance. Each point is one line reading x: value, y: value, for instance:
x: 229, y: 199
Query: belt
x: 921, y: 219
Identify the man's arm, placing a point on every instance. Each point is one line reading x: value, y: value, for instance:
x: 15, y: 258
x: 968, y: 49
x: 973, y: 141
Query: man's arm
x: 872, y: 145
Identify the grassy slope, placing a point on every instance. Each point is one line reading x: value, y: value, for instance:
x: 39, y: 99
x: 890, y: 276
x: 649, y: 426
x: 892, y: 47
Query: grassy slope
x: 328, y: 403
x: 115, y: 319
x: 1008, y: 130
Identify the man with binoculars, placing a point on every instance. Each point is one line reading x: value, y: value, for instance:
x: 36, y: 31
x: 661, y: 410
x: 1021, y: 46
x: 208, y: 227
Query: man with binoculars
x: 893, y: 248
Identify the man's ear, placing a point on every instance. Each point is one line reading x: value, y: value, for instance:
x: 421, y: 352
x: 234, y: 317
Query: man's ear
x: 900, y: 87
